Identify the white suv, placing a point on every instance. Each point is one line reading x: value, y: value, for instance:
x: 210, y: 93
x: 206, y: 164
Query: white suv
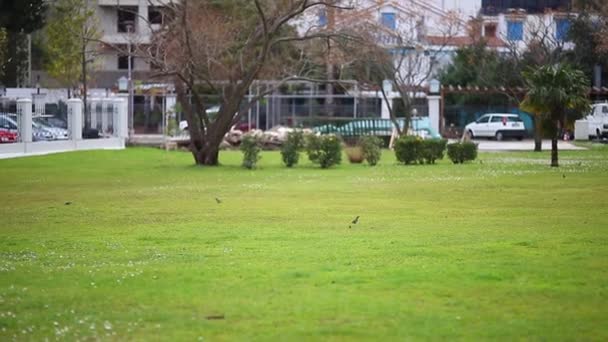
x: 499, y: 126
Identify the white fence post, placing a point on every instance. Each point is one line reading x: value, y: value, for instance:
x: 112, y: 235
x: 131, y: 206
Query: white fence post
x: 24, y: 111
x: 122, y: 117
x: 75, y: 117
x: 434, y: 112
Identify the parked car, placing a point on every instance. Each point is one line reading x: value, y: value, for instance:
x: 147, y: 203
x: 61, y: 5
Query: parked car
x: 39, y: 132
x: 8, y: 125
x: 498, y: 126
x: 57, y: 132
x: 8, y: 136
x: 598, y: 121
x: 212, y: 112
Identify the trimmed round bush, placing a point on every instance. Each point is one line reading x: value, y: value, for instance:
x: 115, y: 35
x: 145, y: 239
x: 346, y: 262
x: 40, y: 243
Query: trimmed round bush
x: 371, y: 146
x: 407, y: 149
x: 290, y: 151
x: 462, y: 152
x: 411, y: 150
x: 432, y: 150
x: 325, y: 150
x: 251, y: 151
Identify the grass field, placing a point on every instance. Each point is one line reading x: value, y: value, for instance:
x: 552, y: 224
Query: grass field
x: 131, y: 245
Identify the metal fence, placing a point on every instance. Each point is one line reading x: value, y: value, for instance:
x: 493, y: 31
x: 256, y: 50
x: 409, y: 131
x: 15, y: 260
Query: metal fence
x: 100, y: 119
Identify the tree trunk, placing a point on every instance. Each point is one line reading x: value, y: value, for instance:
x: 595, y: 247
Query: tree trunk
x: 538, y: 134
x: 554, y: 161
x: 207, y: 156
x: 554, y: 158
x: 87, y: 119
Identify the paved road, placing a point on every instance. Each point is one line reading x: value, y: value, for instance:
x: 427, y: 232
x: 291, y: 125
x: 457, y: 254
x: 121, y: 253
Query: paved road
x: 524, y: 145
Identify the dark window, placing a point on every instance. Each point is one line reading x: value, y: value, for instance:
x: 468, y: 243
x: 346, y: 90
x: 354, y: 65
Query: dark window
x: 514, y: 119
x: 490, y: 30
x: 497, y: 119
x: 155, y: 15
x: 483, y: 119
x: 123, y: 61
x: 127, y: 19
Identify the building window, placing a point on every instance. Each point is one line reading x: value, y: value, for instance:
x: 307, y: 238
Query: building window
x: 388, y: 20
x: 562, y: 28
x: 126, y: 19
x: 123, y: 60
x: 322, y: 17
x: 515, y: 30
x: 155, y: 15
x: 490, y: 30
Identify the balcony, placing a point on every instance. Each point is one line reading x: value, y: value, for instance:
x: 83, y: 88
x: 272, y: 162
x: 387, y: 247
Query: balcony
x: 494, y: 7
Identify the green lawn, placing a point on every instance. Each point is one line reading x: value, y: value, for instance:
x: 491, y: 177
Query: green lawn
x: 503, y: 248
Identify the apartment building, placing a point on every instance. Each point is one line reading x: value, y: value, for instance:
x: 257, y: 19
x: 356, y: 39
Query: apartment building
x: 518, y: 22
x: 124, y: 24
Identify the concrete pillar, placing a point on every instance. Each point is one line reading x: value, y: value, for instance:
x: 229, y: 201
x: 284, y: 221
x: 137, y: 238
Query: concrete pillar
x: 170, y: 101
x: 24, y: 113
x: 434, y: 102
x: 142, y: 19
x: 385, y: 112
x: 597, y: 76
x: 122, y: 118
x: 75, y: 118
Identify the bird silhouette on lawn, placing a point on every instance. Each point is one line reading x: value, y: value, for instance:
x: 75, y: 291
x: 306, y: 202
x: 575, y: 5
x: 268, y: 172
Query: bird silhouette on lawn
x: 355, y: 221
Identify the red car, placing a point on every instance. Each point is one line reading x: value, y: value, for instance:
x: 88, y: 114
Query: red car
x: 8, y: 137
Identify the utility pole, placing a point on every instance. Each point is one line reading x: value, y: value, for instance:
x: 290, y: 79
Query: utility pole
x: 130, y: 81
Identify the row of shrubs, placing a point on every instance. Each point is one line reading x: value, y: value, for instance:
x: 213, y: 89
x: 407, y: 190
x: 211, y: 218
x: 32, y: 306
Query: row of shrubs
x: 326, y: 150
x: 412, y: 150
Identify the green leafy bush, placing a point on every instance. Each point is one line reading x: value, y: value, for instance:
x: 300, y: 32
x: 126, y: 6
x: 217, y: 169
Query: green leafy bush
x: 462, y: 152
x: 251, y: 151
x: 290, y: 151
x: 371, y: 146
x: 410, y: 150
x: 432, y: 150
x: 325, y: 150
x: 407, y: 149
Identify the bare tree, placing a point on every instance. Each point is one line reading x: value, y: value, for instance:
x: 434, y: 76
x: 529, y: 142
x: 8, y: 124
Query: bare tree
x: 407, y: 55
x: 208, y: 46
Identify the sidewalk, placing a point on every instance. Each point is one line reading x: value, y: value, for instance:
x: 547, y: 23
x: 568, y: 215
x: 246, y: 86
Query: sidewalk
x: 524, y: 145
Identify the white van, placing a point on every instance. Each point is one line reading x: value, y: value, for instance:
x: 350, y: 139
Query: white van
x: 497, y: 125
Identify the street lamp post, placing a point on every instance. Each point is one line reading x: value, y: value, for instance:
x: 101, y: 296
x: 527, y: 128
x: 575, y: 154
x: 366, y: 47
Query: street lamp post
x: 130, y: 80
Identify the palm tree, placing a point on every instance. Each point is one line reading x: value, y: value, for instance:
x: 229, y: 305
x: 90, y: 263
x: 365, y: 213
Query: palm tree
x: 553, y: 90
x: 538, y: 120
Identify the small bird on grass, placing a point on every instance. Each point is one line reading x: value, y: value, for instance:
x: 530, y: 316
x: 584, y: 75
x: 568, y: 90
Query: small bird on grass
x: 355, y: 221
x: 564, y: 175
x: 218, y: 200
x: 68, y: 203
